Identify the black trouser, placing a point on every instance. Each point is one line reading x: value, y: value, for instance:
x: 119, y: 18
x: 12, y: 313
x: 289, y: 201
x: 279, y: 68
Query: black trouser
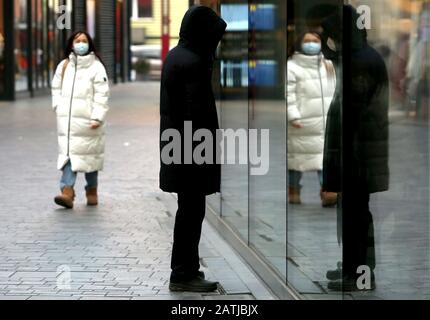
x: 186, y: 235
x: 357, y: 232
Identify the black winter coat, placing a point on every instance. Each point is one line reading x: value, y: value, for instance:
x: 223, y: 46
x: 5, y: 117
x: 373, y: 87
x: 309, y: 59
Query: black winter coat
x: 356, y: 141
x: 186, y: 95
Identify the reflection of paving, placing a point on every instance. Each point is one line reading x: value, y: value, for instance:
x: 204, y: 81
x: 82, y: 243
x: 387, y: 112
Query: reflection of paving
x: 401, y: 215
x: 256, y: 205
x: 401, y: 226
x: 119, y: 250
x: 311, y: 237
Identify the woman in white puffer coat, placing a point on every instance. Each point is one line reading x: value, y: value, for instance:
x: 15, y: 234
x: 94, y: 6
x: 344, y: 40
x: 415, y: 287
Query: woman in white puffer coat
x: 311, y: 83
x: 80, y: 92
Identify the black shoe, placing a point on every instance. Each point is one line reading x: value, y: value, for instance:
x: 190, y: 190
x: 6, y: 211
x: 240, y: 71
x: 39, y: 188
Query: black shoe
x: 349, y: 284
x: 334, y: 274
x: 196, y: 285
x: 201, y: 275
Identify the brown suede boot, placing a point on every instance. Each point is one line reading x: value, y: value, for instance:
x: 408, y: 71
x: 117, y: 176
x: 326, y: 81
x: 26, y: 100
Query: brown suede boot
x: 328, y: 199
x: 92, y: 199
x: 66, y: 198
x: 294, y: 196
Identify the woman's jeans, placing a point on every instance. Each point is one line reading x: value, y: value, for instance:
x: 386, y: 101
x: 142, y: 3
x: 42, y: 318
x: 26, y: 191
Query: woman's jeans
x: 68, y: 178
x: 296, y: 176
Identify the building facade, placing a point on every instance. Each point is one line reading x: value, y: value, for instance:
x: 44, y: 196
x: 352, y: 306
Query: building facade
x: 33, y: 34
x: 292, y: 246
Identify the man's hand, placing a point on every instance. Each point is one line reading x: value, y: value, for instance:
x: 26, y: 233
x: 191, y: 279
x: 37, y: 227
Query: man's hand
x: 95, y: 124
x: 297, y: 124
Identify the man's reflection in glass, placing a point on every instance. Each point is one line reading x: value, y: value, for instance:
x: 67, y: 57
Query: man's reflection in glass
x: 356, y: 144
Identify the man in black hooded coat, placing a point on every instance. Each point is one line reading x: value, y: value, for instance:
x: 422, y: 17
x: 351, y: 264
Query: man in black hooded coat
x: 356, y: 144
x: 187, y: 96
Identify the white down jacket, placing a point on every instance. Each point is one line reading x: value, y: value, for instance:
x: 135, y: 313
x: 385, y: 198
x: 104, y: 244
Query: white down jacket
x: 310, y: 90
x: 81, y: 96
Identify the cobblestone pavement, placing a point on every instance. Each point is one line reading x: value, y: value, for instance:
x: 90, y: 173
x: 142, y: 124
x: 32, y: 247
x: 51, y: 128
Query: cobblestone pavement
x: 119, y: 250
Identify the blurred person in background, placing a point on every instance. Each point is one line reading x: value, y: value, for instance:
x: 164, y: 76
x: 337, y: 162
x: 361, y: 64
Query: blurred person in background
x: 419, y: 68
x: 1, y: 46
x: 398, y: 62
x: 311, y: 82
x: 1, y: 63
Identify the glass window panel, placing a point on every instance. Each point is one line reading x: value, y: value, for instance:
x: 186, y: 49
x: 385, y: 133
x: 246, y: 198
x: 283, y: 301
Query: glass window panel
x: 399, y: 31
x: 313, y: 235
x: 234, y: 112
x: 267, y: 111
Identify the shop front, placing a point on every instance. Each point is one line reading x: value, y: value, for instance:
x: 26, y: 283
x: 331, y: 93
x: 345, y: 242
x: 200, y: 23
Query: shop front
x: 34, y: 34
x: 292, y: 246
x: 251, y: 209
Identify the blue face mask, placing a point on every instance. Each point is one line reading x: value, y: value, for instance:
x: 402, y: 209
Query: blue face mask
x: 81, y: 48
x: 311, y: 48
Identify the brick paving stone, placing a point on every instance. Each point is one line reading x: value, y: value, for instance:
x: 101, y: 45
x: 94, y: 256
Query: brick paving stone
x: 118, y: 250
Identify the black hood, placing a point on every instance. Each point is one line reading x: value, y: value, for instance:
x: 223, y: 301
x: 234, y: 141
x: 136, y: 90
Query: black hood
x: 353, y: 38
x: 201, y: 31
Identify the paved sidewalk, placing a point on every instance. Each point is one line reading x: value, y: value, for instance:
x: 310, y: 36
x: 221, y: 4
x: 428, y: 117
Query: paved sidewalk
x: 119, y: 250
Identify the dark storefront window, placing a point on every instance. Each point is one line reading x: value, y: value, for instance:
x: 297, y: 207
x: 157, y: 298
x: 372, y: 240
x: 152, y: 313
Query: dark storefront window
x: 33, y: 34
x: 2, y: 50
x: 51, y: 55
x: 35, y: 29
x: 144, y: 8
x: 21, y: 45
x: 39, y: 40
x: 119, y: 44
x: 55, y: 37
